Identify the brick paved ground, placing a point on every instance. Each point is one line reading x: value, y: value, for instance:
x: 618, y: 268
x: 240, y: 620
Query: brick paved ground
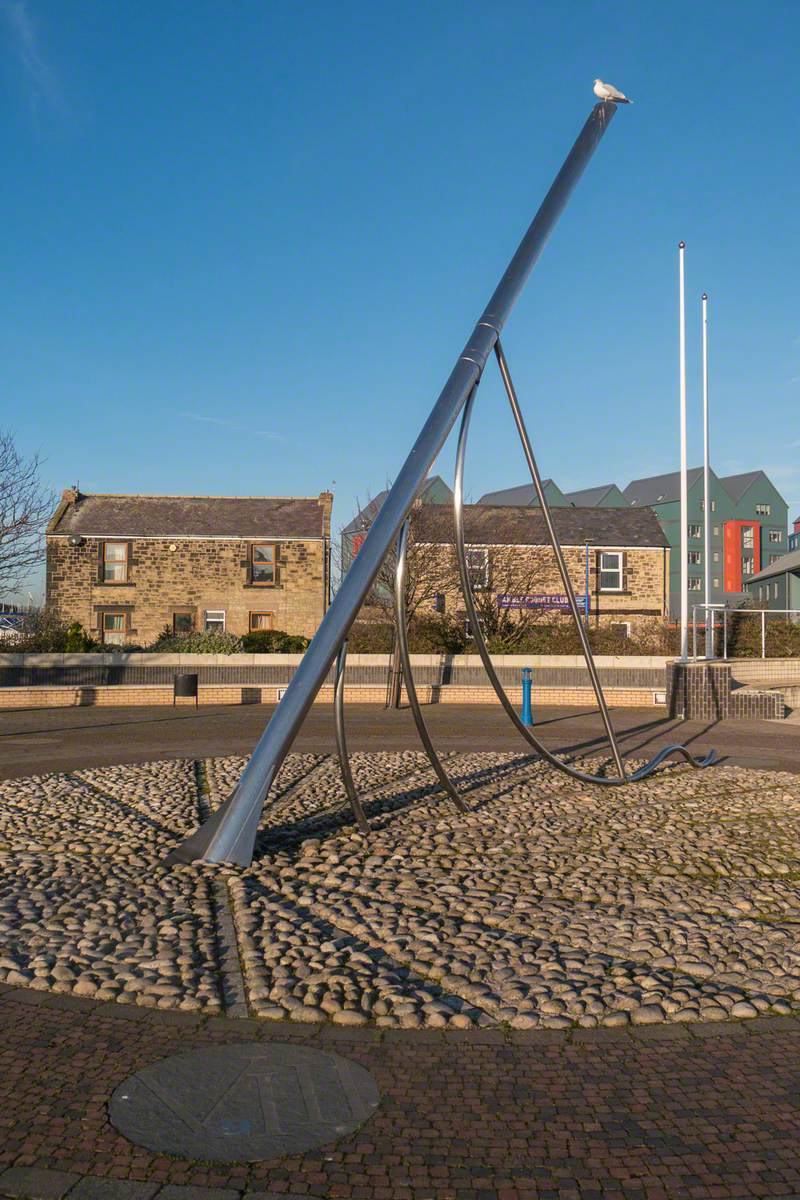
x: 657, y: 1113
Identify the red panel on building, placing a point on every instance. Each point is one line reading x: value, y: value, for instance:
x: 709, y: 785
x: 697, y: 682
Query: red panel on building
x: 734, y: 552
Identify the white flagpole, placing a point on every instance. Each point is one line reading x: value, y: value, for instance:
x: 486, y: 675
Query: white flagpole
x: 709, y: 612
x: 684, y: 489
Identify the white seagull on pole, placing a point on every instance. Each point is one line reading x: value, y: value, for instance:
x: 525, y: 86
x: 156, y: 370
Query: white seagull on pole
x: 607, y: 91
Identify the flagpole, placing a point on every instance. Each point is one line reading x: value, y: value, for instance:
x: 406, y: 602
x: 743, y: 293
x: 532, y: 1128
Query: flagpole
x: 684, y: 488
x: 709, y: 612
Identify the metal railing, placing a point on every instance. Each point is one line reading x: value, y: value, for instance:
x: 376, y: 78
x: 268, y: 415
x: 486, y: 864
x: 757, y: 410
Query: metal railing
x: 737, y: 612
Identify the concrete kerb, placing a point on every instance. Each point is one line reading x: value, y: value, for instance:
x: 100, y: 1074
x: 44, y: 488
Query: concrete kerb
x: 264, y: 1028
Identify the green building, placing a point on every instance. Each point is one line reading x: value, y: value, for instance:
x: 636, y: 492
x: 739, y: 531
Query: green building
x: 778, y: 585
x: 749, y: 520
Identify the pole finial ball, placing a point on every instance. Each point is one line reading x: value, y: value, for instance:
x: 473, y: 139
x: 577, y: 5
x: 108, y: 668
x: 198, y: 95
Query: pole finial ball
x: 681, y: 245
x: 705, y: 296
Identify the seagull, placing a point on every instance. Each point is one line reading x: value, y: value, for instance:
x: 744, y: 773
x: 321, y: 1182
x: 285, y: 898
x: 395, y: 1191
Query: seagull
x: 607, y: 91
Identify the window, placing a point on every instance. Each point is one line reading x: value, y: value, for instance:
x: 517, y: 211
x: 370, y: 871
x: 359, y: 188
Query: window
x: 695, y: 531
x: 262, y: 563
x: 716, y: 556
x: 747, y: 537
x: 182, y: 622
x: 478, y: 566
x: 703, y: 506
x: 747, y: 566
x: 695, y: 558
x: 438, y: 602
x: 764, y: 510
x: 773, y: 558
x: 716, y: 531
x: 715, y: 583
x: 115, y: 562
x: 215, y: 621
x: 695, y: 585
x: 774, y: 590
x: 775, y: 535
x: 621, y: 628
x: 260, y: 620
x: 611, y: 571
x: 113, y: 628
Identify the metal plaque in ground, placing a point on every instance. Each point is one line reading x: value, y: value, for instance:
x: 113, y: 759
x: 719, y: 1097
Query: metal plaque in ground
x: 244, y: 1103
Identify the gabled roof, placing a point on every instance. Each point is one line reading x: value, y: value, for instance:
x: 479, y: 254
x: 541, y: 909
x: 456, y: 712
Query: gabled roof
x: 525, y: 493
x: 737, y: 485
x: 787, y: 562
x: 364, y: 518
x: 660, y: 489
x: 523, y: 525
x: 591, y: 497
x: 191, y: 516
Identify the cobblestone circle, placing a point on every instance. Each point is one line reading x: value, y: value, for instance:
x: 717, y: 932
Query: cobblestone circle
x: 551, y: 904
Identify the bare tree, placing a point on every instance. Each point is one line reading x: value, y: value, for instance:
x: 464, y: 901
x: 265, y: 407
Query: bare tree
x: 25, y: 506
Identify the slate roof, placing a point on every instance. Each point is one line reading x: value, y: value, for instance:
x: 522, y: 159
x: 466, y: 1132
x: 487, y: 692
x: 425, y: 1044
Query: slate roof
x: 525, y: 493
x: 364, y: 518
x: 787, y: 562
x: 499, y: 525
x: 737, y: 485
x: 590, y: 497
x: 192, y: 516
x: 659, y: 489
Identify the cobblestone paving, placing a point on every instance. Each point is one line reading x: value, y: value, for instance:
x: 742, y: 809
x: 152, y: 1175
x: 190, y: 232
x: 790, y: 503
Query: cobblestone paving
x: 669, y: 1112
x: 551, y: 904
x: 545, y: 990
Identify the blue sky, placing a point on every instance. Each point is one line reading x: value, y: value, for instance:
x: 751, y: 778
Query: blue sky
x: 244, y: 242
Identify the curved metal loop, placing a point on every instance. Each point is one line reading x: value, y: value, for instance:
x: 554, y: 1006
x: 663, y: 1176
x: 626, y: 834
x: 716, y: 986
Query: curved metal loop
x: 477, y: 633
x: 341, y: 743
x: 566, y: 582
x: 401, y: 621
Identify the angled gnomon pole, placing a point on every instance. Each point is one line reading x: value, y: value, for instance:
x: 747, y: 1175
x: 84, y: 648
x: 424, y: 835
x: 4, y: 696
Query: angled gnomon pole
x: 229, y: 834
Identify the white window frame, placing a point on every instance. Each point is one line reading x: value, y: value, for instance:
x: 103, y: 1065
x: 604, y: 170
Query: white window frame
x: 764, y: 510
x: 775, y: 590
x: 604, y: 568
x: 478, y: 566
x: 695, y: 583
x: 703, y: 506
x: 214, y: 613
x: 715, y: 583
x: 695, y: 558
x: 698, y: 530
x: 775, y: 536
x: 112, y: 565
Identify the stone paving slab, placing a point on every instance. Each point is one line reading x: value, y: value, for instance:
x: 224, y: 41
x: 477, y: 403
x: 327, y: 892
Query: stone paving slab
x: 36, y: 1183
x: 100, y: 1187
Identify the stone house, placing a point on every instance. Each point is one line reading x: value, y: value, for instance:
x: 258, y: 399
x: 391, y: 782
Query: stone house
x: 126, y: 567
x: 622, y: 553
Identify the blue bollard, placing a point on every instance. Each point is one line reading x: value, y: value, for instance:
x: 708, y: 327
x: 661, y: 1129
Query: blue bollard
x: 527, y: 715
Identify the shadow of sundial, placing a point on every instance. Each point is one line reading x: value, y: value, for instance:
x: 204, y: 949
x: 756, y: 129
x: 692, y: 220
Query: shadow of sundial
x: 244, y: 1103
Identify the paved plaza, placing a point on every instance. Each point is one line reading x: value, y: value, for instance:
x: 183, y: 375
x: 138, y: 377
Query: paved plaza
x: 569, y: 991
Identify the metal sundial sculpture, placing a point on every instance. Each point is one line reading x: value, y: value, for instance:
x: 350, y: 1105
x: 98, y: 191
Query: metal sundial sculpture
x: 229, y: 834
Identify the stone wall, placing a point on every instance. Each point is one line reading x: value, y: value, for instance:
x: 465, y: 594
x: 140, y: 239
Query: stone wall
x: 188, y: 575
x: 533, y: 569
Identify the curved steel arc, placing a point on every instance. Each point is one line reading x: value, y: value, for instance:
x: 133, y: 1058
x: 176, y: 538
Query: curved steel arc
x: 527, y: 449
x: 341, y: 743
x: 477, y: 633
x: 401, y: 619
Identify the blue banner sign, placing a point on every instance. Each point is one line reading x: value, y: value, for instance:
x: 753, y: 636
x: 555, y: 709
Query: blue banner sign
x: 538, y: 600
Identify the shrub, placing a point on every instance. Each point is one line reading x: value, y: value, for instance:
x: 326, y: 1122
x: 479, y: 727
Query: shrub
x: 436, y: 635
x: 273, y: 641
x: 77, y: 640
x: 42, y: 632
x: 198, y: 643
x: 370, y: 637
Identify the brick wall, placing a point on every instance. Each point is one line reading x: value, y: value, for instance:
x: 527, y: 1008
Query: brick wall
x: 186, y: 574
x: 702, y: 691
x: 159, y: 694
